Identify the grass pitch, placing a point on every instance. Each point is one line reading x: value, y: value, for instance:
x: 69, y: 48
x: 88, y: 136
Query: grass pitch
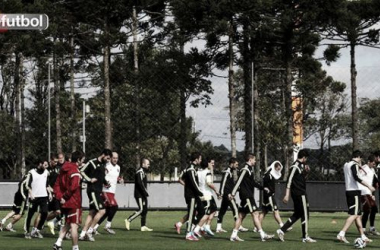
x: 323, y: 227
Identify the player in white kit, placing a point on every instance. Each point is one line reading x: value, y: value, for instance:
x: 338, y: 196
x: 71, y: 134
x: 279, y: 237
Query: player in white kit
x: 108, y: 195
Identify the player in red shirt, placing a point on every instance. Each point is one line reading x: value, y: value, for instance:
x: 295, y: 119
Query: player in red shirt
x: 67, y: 189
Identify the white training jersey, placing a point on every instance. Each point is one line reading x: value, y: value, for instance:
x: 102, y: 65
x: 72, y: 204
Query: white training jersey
x: 367, y: 174
x: 204, y: 177
x: 38, y: 184
x: 112, y: 174
x: 349, y: 175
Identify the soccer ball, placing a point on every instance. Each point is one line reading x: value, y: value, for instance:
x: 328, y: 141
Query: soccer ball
x: 359, y: 243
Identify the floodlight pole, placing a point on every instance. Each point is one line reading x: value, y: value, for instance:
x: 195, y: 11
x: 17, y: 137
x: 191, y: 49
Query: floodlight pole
x: 84, y: 126
x: 49, y: 114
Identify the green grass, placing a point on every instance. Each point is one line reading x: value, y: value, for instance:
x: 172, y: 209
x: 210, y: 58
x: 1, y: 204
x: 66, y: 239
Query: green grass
x: 164, y: 236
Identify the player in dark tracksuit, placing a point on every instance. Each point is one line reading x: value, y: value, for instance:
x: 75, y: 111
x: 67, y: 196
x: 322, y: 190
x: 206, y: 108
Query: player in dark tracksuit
x: 271, y: 176
x: 93, y: 172
x: 225, y: 190
x: 193, y: 194
x: 54, y: 207
x: 141, y: 196
x: 296, y: 187
x: 246, y: 184
x: 19, y: 205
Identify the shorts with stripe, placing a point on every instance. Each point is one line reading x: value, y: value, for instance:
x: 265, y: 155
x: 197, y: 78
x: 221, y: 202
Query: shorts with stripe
x: 72, y: 215
x: 19, y: 204
x: 109, y: 199
x: 209, y: 206
x: 353, y: 202
x: 95, y: 201
x: 195, y: 210
x: 269, y: 204
x: 248, y: 205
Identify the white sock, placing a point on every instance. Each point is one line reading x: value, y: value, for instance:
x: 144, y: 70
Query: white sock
x: 83, y: 233
x: 207, y: 226
x: 59, y: 242
x: 197, y: 228
x: 76, y: 247
x: 234, y: 233
x: 90, y: 230
x: 3, y: 221
x: 96, y: 227
x: 218, y: 226
x: 281, y: 224
x: 108, y: 224
x: 371, y: 229
x: 364, y: 237
x: 179, y: 224
x: 262, y: 233
x: 342, y: 233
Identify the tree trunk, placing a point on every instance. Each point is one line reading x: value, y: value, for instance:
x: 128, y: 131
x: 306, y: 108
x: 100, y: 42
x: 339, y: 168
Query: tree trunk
x: 265, y: 156
x: 231, y: 91
x: 182, y: 114
x: 107, y: 94
x: 355, y: 127
x: 247, y: 91
x: 289, y: 118
x: 257, y: 141
x: 136, y: 72
x: 183, y: 129
x: 17, y: 88
x: 22, y: 118
x: 57, y: 95
x: 72, y: 98
x: 287, y: 59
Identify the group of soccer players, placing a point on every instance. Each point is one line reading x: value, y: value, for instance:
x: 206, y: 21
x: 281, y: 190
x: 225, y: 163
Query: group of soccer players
x: 199, y: 191
x: 360, y: 180
x: 55, y: 187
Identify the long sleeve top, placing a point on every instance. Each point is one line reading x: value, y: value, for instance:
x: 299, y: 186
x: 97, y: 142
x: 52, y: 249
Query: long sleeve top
x: 246, y: 183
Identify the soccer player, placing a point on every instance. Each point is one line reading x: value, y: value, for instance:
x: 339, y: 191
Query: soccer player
x: 67, y: 191
x: 20, y: 202
x: 54, y: 207
x: 94, y: 173
x: 272, y: 174
x: 179, y: 224
x: 206, y: 185
x: 367, y: 197
x: 39, y: 196
x: 141, y: 196
x: 193, y: 194
x: 61, y: 160
x: 352, y: 180
x: 108, y: 195
x: 296, y: 187
x: 246, y: 184
x: 225, y: 189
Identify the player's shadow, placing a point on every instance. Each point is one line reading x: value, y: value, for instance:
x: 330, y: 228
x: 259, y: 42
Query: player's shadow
x: 22, y: 236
